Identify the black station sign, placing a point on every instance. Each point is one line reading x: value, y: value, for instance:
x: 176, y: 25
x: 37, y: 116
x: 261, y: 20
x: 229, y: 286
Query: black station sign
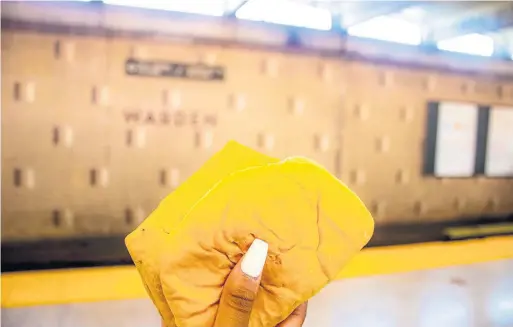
x: 201, y: 72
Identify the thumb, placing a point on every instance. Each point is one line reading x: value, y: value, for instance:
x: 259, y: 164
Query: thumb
x: 240, y: 289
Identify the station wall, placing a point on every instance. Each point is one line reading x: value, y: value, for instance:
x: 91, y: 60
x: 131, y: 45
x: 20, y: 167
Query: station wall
x: 90, y: 150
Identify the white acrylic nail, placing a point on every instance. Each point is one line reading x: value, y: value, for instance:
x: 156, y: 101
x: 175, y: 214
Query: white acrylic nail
x: 254, y: 260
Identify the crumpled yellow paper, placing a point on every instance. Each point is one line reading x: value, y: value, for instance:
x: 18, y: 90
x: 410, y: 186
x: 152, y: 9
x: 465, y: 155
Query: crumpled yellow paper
x: 186, y: 248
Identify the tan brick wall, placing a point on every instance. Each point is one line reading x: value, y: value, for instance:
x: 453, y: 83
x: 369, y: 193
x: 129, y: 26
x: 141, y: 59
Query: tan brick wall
x: 66, y: 101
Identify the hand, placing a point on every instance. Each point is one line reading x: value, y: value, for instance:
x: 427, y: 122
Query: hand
x: 240, y: 290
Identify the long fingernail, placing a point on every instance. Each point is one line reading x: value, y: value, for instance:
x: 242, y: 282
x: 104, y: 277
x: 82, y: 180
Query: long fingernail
x: 254, y: 260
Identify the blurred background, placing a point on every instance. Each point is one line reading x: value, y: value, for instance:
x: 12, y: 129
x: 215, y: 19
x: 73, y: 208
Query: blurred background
x: 108, y: 106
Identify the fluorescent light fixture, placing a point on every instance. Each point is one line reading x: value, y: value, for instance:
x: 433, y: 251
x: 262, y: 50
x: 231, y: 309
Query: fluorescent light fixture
x: 203, y: 7
x: 285, y: 12
x: 476, y: 44
x: 388, y: 29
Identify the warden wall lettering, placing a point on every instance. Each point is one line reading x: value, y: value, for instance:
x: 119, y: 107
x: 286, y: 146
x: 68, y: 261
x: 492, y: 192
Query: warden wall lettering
x: 177, y: 118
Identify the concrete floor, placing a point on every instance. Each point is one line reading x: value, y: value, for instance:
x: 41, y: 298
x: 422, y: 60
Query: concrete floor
x: 479, y: 295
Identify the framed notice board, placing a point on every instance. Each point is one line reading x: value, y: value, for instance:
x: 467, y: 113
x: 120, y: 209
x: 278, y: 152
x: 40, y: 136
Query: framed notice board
x: 452, y: 139
x: 499, y: 145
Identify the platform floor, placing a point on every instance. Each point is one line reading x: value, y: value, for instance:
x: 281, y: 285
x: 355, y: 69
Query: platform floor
x: 477, y: 295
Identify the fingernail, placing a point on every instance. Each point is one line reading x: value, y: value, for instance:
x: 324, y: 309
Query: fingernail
x: 254, y: 260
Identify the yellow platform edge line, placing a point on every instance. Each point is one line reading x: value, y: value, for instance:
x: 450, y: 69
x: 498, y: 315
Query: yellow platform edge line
x: 64, y: 286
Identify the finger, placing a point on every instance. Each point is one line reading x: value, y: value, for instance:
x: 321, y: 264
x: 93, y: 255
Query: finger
x: 241, y: 287
x: 296, y: 318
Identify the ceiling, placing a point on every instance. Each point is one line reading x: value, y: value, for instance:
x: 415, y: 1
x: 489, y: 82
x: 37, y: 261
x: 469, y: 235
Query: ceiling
x: 438, y: 20
x: 429, y: 21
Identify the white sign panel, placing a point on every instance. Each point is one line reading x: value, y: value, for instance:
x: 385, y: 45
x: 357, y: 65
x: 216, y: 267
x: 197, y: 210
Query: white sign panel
x: 499, y: 148
x: 456, y: 140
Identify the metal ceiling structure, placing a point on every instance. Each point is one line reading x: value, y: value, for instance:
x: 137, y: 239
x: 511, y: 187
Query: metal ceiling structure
x: 443, y: 19
x: 428, y: 23
x: 437, y: 20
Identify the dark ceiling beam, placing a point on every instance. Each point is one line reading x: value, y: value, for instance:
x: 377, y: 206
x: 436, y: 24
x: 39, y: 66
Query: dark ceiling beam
x: 231, y: 12
x: 496, y: 19
x: 336, y: 24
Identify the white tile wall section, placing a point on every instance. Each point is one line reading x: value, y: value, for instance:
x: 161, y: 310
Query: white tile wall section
x: 170, y: 177
x: 103, y: 177
x: 208, y: 139
x: 270, y: 67
x: 266, y: 141
x: 430, y: 83
x: 63, y: 218
x: 138, y: 52
x: 322, y: 142
x: 402, y: 176
x: 68, y: 218
x: 62, y: 136
x: 172, y: 98
x: 138, y: 215
x: 501, y: 90
x: 361, y: 111
x: 386, y: 78
x: 30, y: 178
x: 24, y: 91
x: 237, y: 101
x: 204, y: 139
x: 325, y: 72
x: 492, y: 204
x: 296, y: 106
x: 208, y: 58
x: 383, y: 144
x: 16, y: 91
x: 136, y: 137
x: 468, y: 87
x: 64, y: 50
x: 68, y: 52
x: 100, y: 95
x: 140, y: 137
x: 378, y: 209
x: 29, y: 92
x: 419, y: 207
x: 478, y: 295
x: 67, y: 136
x: 406, y: 114
x: 459, y: 204
x: 174, y: 177
x: 357, y: 177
